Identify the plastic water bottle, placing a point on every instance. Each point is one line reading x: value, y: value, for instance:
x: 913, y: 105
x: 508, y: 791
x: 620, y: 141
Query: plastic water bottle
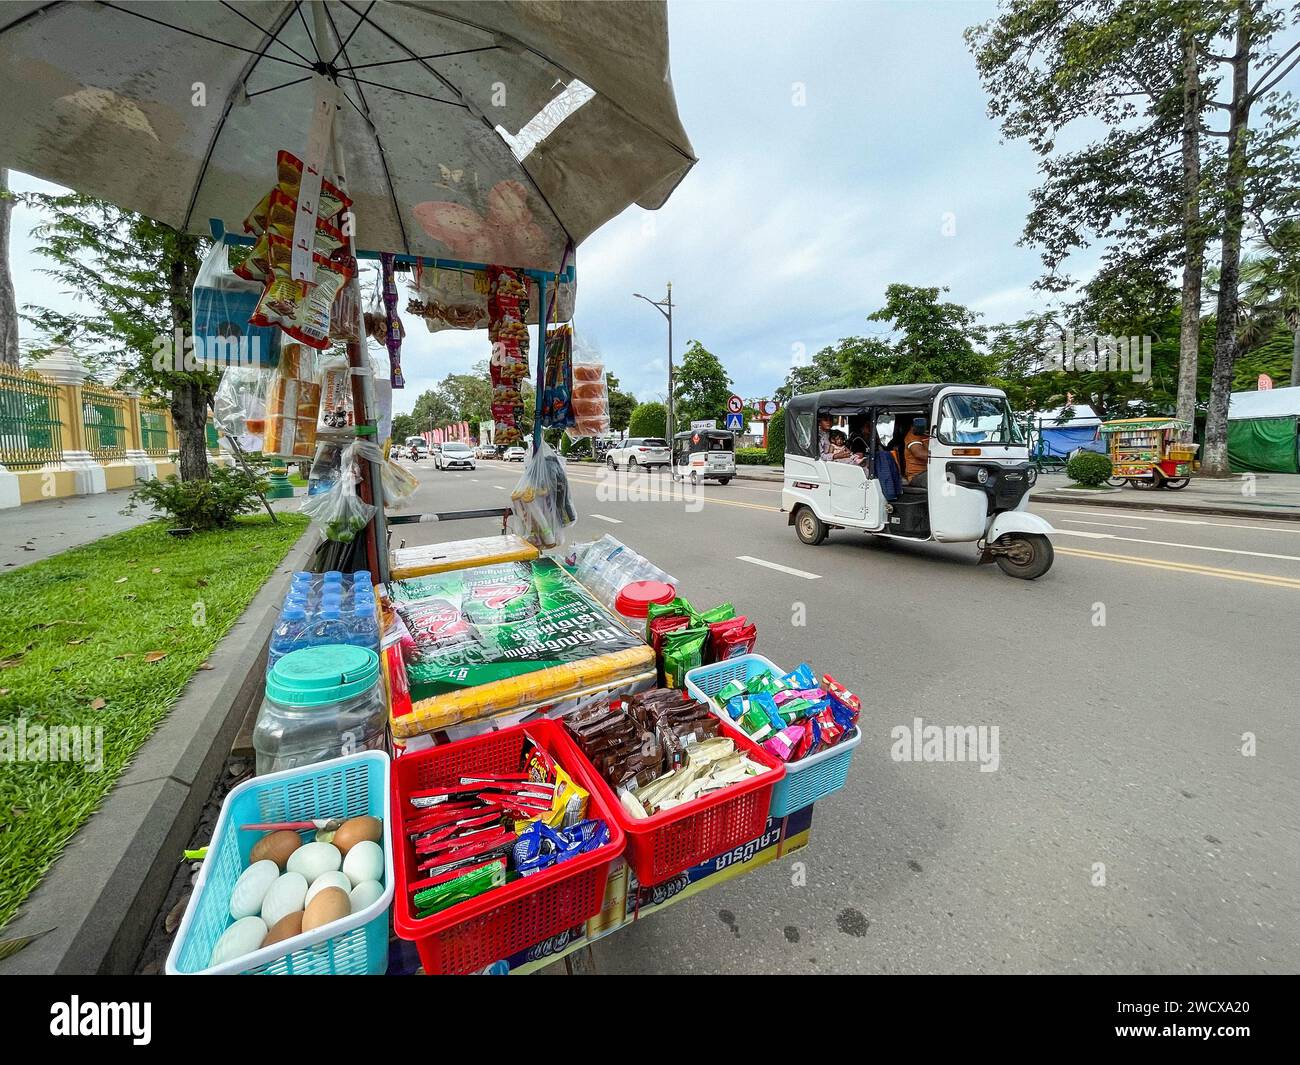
x: 328, y: 627
x: 363, y: 629
x: 287, y: 635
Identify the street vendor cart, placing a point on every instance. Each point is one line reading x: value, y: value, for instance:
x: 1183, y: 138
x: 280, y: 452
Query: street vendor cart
x: 1150, y: 452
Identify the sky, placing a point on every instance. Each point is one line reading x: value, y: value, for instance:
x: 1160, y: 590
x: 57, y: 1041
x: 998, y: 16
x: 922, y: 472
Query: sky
x: 843, y: 146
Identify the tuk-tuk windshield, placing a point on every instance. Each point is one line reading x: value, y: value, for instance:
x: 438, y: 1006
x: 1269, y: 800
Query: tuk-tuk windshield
x: 978, y: 420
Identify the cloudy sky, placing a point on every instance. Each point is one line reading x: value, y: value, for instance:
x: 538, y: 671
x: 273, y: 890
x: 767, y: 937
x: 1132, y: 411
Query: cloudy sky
x: 843, y: 146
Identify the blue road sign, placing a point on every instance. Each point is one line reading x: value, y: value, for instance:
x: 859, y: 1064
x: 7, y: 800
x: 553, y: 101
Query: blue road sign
x: 735, y: 422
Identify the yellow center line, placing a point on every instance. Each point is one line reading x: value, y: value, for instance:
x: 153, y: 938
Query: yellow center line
x: 1185, y: 567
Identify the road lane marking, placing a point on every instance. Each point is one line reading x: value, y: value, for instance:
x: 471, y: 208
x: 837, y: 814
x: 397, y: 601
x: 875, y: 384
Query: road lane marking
x: 1185, y: 567
x: 612, y: 521
x: 501, y: 487
x: 1170, y: 543
x: 1287, y: 527
x: 780, y: 568
x: 1105, y: 524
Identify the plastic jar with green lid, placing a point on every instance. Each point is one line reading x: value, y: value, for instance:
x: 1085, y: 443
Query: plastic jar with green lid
x: 320, y: 702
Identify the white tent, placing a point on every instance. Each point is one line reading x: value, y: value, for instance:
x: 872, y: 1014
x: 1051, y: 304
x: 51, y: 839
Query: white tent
x: 1270, y: 403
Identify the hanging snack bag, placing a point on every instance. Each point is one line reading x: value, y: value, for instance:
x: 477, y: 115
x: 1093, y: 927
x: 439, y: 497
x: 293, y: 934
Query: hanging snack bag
x: 293, y: 400
x: 590, y: 399
x: 541, y: 502
x: 341, y: 510
x: 337, y: 412
x: 557, y: 407
x: 333, y: 200
x: 301, y: 309
x: 239, y: 405
x: 222, y: 305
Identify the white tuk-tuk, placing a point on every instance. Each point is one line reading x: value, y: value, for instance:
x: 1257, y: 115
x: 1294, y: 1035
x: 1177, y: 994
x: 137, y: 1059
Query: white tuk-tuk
x: 701, y: 453
x: 969, y: 470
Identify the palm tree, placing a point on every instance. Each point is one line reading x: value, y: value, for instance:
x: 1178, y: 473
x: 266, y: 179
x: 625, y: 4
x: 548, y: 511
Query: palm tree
x: 8, y: 303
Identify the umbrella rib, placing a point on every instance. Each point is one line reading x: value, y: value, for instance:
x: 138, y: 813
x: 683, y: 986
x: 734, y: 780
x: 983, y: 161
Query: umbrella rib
x: 409, y: 92
x: 284, y: 44
x: 422, y: 58
x: 482, y: 118
x: 297, y: 6
x: 203, y: 36
x: 35, y: 13
x: 247, y: 72
x: 343, y: 42
x: 374, y: 132
x: 285, y: 85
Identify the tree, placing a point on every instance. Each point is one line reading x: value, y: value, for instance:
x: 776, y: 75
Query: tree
x: 701, y: 386
x: 621, y: 404
x: 649, y: 419
x: 404, y: 425
x: 432, y: 411
x: 469, y: 395
x: 135, y: 276
x: 1136, y: 69
x: 821, y: 373
x: 8, y: 303
x: 776, y: 439
x: 1258, y: 159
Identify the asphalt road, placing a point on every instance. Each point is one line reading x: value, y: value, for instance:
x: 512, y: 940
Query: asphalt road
x: 1123, y: 830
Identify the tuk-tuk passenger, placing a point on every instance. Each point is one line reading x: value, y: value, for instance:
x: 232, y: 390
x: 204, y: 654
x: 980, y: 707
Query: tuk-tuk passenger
x: 891, y: 484
x: 916, y: 453
x: 838, y: 446
x: 824, y: 435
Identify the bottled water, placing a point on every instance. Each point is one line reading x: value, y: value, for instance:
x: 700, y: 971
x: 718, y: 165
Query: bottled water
x: 288, y: 635
x: 328, y: 627
x: 363, y: 629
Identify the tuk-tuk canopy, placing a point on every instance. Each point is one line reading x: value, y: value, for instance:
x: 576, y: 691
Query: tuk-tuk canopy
x: 880, y: 396
x: 1128, y: 425
x: 693, y: 439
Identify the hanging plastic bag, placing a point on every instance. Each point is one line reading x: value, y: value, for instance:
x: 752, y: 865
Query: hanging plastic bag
x: 340, y: 510
x: 542, y: 505
x: 399, y: 482
x: 222, y: 305
x: 590, y: 399
x: 292, y: 404
x: 239, y: 405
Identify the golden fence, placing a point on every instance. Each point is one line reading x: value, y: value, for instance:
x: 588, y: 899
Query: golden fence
x: 31, y: 434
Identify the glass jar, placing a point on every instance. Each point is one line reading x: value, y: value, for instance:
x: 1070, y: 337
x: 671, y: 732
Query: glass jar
x: 320, y: 702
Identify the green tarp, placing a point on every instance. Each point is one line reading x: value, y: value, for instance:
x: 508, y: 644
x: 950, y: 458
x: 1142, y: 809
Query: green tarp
x: 1263, y: 445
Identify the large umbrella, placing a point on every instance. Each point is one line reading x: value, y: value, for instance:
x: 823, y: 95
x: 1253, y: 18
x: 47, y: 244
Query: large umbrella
x: 486, y: 131
x: 483, y: 132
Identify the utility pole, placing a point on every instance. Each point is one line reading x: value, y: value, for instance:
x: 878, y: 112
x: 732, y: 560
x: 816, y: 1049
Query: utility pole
x: 665, y: 307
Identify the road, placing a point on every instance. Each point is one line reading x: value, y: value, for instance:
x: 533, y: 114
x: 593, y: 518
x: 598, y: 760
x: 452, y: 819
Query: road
x: 1123, y: 830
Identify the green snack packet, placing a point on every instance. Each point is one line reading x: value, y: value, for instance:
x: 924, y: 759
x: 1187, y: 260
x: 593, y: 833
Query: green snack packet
x: 723, y: 612
x: 671, y: 609
x: 765, y: 684
x: 793, y: 709
x: 729, y: 691
x: 683, y: 651
x: 437, y: 898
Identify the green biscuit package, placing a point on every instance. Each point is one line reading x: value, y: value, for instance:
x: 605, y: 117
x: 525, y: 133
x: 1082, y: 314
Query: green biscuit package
x: 494, y: 638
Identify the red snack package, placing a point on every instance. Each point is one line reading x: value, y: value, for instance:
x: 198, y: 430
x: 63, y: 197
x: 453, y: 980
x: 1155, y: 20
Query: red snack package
x: 727, y: 639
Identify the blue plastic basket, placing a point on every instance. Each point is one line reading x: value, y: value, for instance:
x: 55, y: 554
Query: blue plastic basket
x: 357, y: 945
x: 806, y: 780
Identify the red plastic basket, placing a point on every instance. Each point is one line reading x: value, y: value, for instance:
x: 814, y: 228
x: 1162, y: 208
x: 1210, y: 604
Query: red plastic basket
x: 500, y: 922
x: 662, y: 845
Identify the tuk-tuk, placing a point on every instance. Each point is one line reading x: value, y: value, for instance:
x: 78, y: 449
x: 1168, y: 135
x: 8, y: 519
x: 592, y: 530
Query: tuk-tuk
x: 1149, y: 452
x: 699, y: 454
x: 942, y: 462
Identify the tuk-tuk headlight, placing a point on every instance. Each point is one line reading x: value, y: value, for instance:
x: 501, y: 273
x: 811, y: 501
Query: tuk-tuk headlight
x: 982, y: 475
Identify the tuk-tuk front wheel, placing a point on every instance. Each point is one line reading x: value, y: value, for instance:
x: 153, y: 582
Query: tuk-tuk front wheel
x: 1024, y: 555
x: 809, y: 528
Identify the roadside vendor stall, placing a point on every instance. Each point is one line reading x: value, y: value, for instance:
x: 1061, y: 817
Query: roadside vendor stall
x: 1150, y: 452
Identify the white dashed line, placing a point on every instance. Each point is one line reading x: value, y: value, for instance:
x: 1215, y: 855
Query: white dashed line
x: 612, y: 521
x: 780, y: 568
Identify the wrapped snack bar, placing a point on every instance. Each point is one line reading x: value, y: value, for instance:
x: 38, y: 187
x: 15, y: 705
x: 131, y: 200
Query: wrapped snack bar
x: 458, y: 554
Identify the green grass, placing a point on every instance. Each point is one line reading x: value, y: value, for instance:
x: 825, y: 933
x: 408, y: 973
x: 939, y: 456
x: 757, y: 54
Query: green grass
x: 72, y: 633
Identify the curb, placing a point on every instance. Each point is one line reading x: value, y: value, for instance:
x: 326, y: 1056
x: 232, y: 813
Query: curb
x: 1223, y: 509
x: 103, y: 892
x: 756, y: 476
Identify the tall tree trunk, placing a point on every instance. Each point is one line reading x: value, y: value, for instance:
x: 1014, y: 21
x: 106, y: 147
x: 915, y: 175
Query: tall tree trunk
x: 191, y: 394
x: 8, y: 303
x: 1189, y: 339
x: 1295, y: 357
x: 1215, y: 460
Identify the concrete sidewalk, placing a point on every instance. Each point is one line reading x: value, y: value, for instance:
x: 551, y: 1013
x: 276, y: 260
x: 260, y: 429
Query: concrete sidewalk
x: 38, y: 530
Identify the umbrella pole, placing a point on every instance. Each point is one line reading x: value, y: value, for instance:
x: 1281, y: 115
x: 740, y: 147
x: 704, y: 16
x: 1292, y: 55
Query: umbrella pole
x: 541, y: 362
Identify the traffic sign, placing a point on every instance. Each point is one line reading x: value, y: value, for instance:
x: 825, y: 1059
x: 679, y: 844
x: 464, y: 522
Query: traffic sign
x: 735, y: 405
x: 704, y: 423
x: 735, y: 422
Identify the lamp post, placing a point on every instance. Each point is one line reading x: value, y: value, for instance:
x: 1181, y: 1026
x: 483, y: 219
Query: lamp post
x: 665, y: 307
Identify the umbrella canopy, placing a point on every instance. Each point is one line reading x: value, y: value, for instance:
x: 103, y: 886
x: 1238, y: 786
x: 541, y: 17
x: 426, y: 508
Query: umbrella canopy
x: 494, y: 132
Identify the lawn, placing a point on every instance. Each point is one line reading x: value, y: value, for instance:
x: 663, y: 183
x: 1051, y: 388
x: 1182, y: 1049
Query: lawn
x: 107, y: 635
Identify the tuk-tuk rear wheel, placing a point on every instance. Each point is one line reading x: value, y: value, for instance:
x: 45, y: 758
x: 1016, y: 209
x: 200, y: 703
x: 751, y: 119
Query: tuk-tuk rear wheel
x: 1024, y: 555
x: 810, y: 529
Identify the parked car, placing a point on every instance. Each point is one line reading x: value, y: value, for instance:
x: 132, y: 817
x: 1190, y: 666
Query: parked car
x: 485, y: 451
x: 640, y: 451
x: 454, y: 455
x: 515, y: 454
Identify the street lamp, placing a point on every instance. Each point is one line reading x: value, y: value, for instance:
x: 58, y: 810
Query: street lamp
x: 665, y: 307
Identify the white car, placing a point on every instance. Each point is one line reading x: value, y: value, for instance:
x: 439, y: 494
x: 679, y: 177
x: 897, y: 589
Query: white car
x: 515, y: 454
x: 640, y: 451
x: 454, y: 455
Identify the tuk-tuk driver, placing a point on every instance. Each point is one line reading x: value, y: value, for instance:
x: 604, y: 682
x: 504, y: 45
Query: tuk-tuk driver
x: 916, y: 453
x: 824, y: 435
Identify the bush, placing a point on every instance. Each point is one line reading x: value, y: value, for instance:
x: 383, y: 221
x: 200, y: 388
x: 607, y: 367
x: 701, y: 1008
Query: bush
x: 751, y: 456
x: 648, y: 419
x: 776, y: 439
x: 1088, y: 468
x: 202, y: 505
x: 580, y: 448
